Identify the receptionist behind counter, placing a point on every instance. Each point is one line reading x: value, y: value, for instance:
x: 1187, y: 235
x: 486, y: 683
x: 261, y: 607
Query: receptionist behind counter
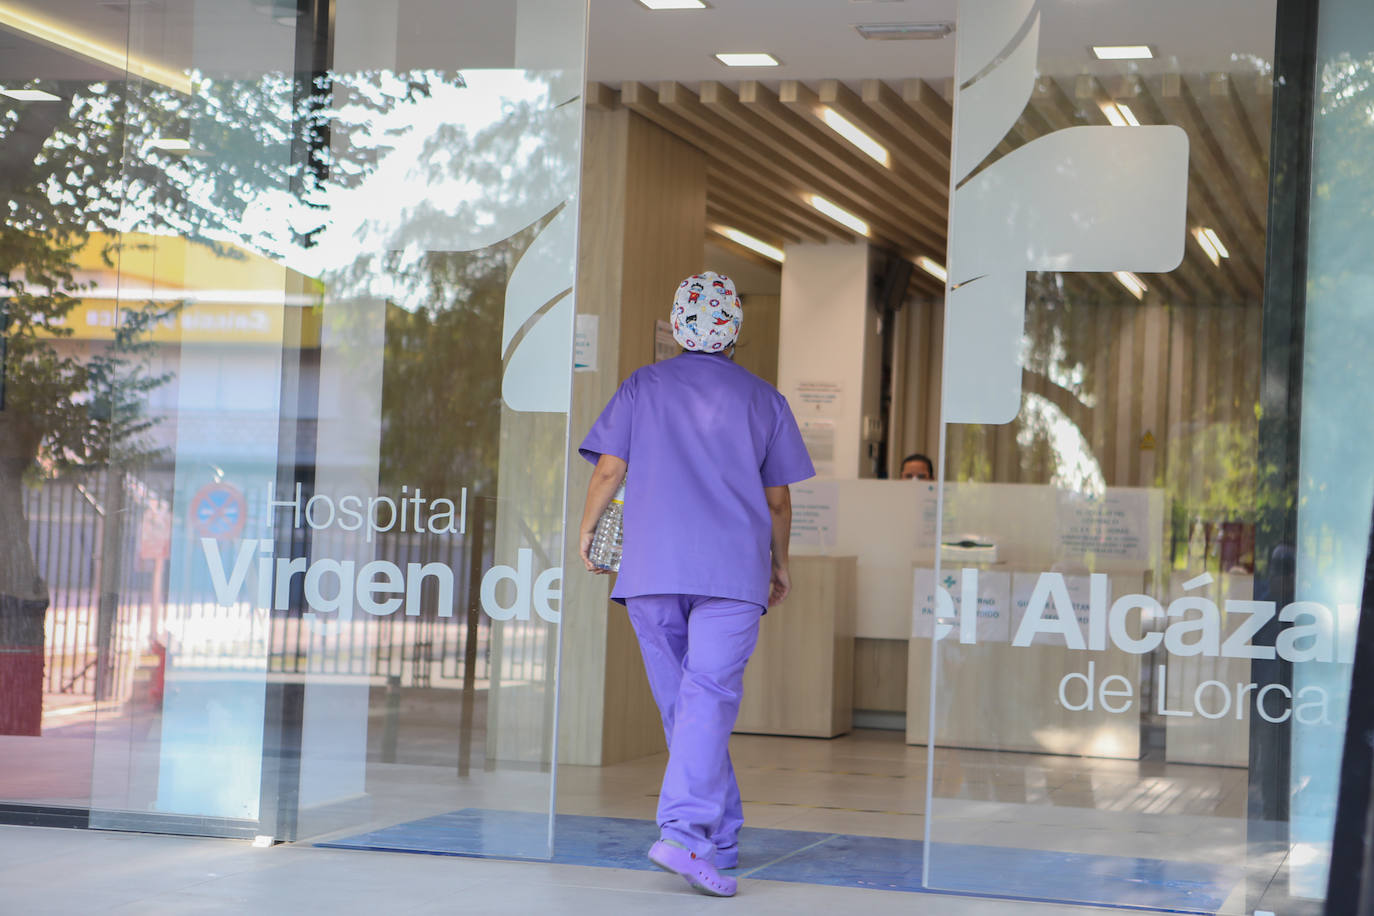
x: 917, y: 467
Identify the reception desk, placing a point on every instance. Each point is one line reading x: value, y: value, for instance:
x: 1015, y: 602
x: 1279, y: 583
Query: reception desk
x: 1223, y: 740
x: 992, y: 694
x: 1007, y: 698
x: 1042, y: 698
x: 800, y: 679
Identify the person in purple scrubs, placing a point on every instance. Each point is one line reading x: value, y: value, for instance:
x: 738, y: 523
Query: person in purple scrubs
x: 710, y: 449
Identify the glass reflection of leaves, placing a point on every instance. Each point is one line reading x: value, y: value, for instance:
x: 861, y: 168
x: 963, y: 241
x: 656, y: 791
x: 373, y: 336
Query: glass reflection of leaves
x: 76, y: 173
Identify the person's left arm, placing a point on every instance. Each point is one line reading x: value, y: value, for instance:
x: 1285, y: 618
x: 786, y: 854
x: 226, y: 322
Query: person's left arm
x: 607, y: 476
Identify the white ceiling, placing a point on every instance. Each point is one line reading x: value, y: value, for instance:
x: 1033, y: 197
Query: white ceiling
x: 815, y: 39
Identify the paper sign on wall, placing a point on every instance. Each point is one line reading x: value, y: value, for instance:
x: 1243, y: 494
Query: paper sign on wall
x: 1111, y: 527
x: 814, y: 516
x: 665, y: 346
x: 584, y: 343
x: 927, y: 511
x: 820, y: 399
x: 994, y: 603
x: 818, y: 435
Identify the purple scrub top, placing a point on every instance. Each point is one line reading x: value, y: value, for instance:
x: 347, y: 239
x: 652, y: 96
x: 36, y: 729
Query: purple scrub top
x: 702, y: 437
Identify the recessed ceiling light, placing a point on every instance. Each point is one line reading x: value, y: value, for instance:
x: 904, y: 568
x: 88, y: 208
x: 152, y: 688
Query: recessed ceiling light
x: 1216, y: 242
x: 1120, y: 114
x: 1123, y: 52
x: 30, y: 95
x: 904, y: 31
x: 1210, y: 242
x: 838, y: 214
x: 170, y: 145
x: 747, y: 59
x: 1134, y: 285
x: 756, y: 245
x: 934, y: 268
x: 673, y: 4
x: 854, y: 134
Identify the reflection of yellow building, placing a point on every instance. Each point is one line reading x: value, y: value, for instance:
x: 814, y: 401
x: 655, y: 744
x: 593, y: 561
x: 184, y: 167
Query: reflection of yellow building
x: 237, y: 296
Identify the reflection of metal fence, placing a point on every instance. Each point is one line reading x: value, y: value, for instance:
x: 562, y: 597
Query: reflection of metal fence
x: 425, y: 650
x: 68, y: 526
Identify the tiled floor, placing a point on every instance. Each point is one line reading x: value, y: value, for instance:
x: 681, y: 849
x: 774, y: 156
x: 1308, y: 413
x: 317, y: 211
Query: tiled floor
x: 836, y: 860
x: 871, y: 783
x: 61, y: 872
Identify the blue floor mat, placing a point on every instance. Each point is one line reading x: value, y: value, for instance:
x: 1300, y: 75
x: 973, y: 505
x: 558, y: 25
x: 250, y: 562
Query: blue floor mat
x: 833, y: 859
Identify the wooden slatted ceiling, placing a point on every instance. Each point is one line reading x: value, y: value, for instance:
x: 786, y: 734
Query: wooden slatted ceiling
x: 768, y: 150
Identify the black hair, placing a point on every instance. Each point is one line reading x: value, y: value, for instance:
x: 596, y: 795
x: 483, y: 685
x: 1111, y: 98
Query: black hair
x: 917, y: 456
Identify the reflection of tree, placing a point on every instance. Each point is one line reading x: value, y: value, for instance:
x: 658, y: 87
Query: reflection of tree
x: 1337, y: 376
x: 1073, y: 396
x: 442, y: 403
x: 1060, y: 381
x: 441, y: 389
x: 84, y: 166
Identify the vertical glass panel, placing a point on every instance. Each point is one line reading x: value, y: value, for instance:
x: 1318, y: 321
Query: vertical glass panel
x: 430, y: 428
x: 340, y: 383
x: 1094, y: 681
x: 63, y: 537
x: 193, y: 381
x: 1337, y: 485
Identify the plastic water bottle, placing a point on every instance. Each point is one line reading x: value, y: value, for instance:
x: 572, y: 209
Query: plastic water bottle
x: 609, y: 538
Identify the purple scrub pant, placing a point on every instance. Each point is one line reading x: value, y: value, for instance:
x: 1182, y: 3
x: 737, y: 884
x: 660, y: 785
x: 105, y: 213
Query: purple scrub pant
x: 695, y: 649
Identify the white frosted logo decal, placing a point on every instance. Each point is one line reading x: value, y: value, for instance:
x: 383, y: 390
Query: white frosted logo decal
x: 1078, y: 199
x: 539, y: 302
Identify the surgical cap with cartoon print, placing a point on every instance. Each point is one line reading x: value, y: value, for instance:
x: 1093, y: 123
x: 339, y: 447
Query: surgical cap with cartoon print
x: 706, y: 313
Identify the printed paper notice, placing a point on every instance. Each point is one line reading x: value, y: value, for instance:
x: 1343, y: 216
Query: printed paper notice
x: 817, y: 399
x: 665, y: 346
x: 584, y: 347
x: 927, y: 508
x: 818, y: 435
x: 994, y: 603
x: 814, y: 517
x: 1114, y: 526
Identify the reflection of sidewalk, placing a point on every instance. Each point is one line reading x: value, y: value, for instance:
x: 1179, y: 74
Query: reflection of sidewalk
x: 52, y: 770
x: 73, y: 871
x: 62, y: 711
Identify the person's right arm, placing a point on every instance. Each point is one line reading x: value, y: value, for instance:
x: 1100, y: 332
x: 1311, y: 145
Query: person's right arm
x: 607, y: 477
x: 780, y: 510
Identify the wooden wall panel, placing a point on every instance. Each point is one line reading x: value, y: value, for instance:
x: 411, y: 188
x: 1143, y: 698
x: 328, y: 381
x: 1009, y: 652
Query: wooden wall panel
x: 665, y: 232
x: 1179, y: 373
x: 601, y: 229
x: 757, y: 348
x: 643, y: 228
x: 880, y: 667
x: 664, y: 241
x: 800, y: 680
x: 916, y: 407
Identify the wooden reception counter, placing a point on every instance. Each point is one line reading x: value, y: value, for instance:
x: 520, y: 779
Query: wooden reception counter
x: 800, y: 680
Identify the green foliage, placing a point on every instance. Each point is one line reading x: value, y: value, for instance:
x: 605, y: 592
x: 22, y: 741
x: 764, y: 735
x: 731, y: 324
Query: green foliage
x: 86, y: 166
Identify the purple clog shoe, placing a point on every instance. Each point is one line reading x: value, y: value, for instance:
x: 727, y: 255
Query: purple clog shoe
x: 697, y: 872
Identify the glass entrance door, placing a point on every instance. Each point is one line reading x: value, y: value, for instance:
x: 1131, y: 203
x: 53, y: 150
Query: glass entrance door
x: 310, y: 319
x: 1111, y: 675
